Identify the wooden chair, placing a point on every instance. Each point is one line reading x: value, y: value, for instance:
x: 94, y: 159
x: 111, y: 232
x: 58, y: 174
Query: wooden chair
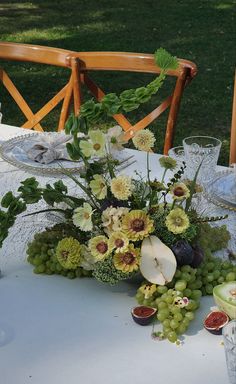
x: 232, y: 158
x: 42, y: 55
x: 136, y: 62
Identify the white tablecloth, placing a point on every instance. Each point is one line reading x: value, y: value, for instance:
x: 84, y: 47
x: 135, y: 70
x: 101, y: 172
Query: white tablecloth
x: 54, y: 330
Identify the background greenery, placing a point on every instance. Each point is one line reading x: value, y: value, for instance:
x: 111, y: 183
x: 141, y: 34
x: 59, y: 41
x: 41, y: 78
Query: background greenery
x: 202, y: 31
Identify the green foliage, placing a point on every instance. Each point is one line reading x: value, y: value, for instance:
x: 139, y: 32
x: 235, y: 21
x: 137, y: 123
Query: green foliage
x: 213, y: 238
x: 106, y: 272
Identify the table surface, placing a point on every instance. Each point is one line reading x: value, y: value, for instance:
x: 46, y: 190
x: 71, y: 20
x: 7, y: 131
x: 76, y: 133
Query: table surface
x: 56, y: 330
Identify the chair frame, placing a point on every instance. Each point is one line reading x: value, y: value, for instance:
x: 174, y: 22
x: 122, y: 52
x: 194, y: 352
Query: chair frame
x: 136, y: 62
x: 42, y: 55
x: 232, y: 156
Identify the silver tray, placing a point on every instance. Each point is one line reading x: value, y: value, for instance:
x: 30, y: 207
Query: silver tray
x: 12, y: 151
x: 222, y: 189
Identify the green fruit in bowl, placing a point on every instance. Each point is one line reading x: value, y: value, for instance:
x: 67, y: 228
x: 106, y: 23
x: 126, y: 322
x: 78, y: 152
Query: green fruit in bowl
x: 225, y: 297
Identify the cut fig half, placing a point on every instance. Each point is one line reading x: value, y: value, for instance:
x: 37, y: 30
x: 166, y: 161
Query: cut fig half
x: 143, y: 315
x: 215, y: 321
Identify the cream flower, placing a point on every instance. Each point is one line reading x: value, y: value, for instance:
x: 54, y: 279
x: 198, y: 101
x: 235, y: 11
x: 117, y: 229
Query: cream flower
x: 82, y: 217
x: 115, y: 138
x: 99, y: 247
x: 98, y: 187
x: 95, y: 146
x: 144, y: 140
x: 87, y: 261
x: 112, y: 219
x: 127, y: 261
x: 118, y: 241
x: 179, y: 191
x: 121, y: 187
x: 177, y: 221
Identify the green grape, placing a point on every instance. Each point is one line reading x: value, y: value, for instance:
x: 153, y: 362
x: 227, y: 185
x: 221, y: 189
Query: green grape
x: 216, y: 274
x: 186, y: 321
x: 196, y: 294
x: 162, y: 289
x: 180, y: 285
x: 169, y: 299
x: 166, y: 323
x: 71, y: 275
x: 231, y: 276
x: 162, y: 305
x: 187, y: 292
x: 189, y: 315
x: 178, y: 316
x: 158, y: 300
x: 209, y: 289
x: 185, y: 277
x: 172, y: 336
x: 174, y: 324
x: 181, y: 329
x: 175, y: 310
x: 210, y: 278
x: 220, y: 280
x: 163, y: 314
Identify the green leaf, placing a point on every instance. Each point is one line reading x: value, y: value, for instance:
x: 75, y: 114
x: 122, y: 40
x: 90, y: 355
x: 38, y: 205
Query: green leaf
x: 7, y: 199
x: 165, y: 60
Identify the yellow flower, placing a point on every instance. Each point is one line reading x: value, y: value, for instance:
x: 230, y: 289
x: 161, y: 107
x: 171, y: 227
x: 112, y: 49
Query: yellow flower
x: 148, y: 290
x: 144, y: 140
x: 95, y: 146
x: 82, y: 217
x: 99, y: 247
x: 179, y: 191
x: 98, y: 187
x: 121, y: 187
x: 68, y: 253
x: 118, y: 241
x: 177, y: 221
x: 137, y: 225
x: 127, y: 261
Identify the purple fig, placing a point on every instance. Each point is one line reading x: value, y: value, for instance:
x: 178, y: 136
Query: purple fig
x: 198, y: 256
x: 183, y: 252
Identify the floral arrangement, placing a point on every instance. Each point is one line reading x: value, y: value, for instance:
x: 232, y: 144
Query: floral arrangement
x: 121, y: 226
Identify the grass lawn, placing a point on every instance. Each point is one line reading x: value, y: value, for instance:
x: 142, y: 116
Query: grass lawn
x: 202, y: 31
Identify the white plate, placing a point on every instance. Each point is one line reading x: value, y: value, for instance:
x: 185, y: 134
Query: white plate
x: 222, y: 189
x: 14, y: 152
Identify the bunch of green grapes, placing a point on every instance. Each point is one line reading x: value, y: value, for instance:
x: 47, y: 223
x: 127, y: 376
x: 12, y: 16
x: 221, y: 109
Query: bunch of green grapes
x: 175, y: 303
x: 41, y: 254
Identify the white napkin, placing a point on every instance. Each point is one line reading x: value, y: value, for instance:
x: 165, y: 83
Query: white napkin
x: 47, y: 148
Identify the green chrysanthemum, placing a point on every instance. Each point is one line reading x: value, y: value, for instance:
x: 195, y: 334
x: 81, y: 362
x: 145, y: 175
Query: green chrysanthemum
x: 177, y: 221
x: 167, y: 162
x: 137, y: 225
x: 68, y: 253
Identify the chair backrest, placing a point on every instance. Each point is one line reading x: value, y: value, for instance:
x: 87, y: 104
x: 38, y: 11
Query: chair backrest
x: 136, y: 62
x: 232, y: 158
x: 41, y: 55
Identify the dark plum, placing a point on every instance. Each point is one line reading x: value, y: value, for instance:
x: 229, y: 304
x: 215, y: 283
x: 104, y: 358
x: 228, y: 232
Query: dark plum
x: 198, y: 256
x: 183, y: 252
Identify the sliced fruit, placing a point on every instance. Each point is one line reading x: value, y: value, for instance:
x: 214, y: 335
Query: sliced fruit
x: 215, y: 321
x: 225, y: 297
x: 158, y: 262
x: 143, y: 315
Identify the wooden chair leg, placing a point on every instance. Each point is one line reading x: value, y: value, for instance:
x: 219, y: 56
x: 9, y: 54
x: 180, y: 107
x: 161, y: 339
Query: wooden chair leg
x: 20, y: 101
x: 232, y: 158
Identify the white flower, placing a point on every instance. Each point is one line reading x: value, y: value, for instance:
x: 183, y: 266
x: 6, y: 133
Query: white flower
x: 115, y: 138
x: 121, y: 187
x: 95, y: 146
x: 98, y: 187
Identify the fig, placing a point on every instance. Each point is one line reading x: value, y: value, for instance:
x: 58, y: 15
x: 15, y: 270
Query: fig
x: 225, y: 298
x: 198, y: 256
x: 215, y: 321
x: 183, y: 252
x: 143, y: 315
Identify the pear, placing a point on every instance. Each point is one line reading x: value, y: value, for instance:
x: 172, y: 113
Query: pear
x: 158, y: 262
